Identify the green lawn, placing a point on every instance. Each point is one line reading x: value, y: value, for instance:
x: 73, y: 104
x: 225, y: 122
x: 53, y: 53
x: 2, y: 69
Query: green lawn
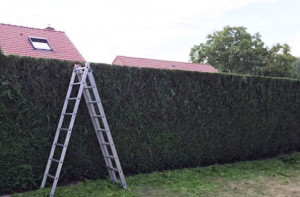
x: 271, y: 177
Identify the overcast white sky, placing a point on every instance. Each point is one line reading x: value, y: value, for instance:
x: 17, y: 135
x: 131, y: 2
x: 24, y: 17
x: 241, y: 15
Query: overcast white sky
x: 159, y: 29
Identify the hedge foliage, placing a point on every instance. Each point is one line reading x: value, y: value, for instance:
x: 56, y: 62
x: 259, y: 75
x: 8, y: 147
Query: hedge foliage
x: 160, y: 119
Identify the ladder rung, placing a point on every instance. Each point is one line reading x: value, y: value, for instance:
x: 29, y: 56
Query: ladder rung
x: 97, y: 116
x: 116, y: 181
x: 105, y: 143
x: 55, y: 160
x: 92, y: 101
x: 109, y: 156
x: 112, y: 168
x: 51, y: 176
x: 76, y: 83
x: 88, y: 87
x: 63, y: 129
x: 74, y: 98
x: 69, y: 114
x: 58, y: 144
x: 102, y: 130
x: 81, y: 68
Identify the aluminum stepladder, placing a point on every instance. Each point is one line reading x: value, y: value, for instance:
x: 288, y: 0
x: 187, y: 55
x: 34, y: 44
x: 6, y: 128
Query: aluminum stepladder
x: 83, y: 78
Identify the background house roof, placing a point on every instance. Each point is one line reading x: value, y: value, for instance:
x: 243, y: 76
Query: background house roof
x: 162, y: 64
x: 14, y: 40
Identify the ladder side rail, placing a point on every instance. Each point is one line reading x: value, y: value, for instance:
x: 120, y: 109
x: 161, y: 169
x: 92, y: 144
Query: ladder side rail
x: 62, y: 157
x: 99, y: 135
x: 58, y: 129
x: 106, y: 126
x: 96, y: 124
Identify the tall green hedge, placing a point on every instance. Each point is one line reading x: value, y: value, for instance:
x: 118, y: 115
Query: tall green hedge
x: 160, y: 119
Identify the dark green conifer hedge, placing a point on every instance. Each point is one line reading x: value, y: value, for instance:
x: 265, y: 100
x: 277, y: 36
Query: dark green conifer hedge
x: 160, y: 119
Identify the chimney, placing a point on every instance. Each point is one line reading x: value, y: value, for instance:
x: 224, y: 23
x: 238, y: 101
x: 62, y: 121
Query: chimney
x: 49, y: 28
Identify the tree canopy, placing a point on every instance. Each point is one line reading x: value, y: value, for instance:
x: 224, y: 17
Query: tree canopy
x: 297, y: 65
x: 234, y: 50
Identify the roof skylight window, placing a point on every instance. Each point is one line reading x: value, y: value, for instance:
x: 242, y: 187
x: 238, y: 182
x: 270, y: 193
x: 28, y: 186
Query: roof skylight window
x: 40, y: 44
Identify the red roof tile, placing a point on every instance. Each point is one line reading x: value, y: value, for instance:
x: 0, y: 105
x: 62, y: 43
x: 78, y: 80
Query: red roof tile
x: 14, y: 40
x: 162, y: 64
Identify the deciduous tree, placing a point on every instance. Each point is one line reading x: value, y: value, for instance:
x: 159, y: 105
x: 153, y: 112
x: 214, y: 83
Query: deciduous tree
x: 234, y: 50
x: 280, y: 62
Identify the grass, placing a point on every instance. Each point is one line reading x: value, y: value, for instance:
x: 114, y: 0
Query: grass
x: 271, y: 177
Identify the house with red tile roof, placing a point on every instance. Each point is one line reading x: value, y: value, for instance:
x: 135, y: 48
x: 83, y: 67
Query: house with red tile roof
x: 38, y: 43
x: 162, y: 64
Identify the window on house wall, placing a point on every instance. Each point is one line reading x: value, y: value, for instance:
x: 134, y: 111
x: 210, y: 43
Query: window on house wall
x: 40, y: 44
